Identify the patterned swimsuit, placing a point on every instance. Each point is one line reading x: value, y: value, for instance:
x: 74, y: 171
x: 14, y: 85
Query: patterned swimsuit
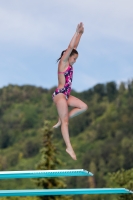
x: 68, y: 81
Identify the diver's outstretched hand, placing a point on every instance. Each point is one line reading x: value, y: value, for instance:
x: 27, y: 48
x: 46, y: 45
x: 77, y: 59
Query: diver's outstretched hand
x: 80, y: 28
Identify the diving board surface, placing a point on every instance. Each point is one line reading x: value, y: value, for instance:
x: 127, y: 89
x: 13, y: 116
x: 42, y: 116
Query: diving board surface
x: 43, y: 173
x: 49, y: 192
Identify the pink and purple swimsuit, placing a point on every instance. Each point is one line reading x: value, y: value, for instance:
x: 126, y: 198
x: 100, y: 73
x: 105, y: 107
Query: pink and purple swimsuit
x: 68, y: 82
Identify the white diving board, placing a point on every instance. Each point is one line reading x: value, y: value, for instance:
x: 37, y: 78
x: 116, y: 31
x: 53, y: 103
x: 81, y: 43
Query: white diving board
x: 49, y: 192
x: 43, y: 173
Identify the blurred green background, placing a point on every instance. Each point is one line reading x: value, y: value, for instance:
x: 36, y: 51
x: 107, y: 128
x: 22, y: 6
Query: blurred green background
x: 102, y: 137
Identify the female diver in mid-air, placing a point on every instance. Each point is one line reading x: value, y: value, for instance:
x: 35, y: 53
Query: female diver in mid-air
x: 61, y: 95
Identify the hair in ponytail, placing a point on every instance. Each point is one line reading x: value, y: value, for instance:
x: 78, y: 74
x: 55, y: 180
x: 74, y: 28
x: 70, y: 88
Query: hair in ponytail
x: 61, y: 55
x: 74, y: 51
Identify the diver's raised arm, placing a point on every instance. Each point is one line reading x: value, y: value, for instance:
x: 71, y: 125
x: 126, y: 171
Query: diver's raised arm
x: 74, y: 41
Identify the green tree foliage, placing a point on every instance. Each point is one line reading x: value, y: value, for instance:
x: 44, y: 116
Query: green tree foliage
x: 122, y: 88
x: 19, y: 198
x: 31, y: 148
x: 124, y: 179
x: 4, y: 138
x: 50, y: 161
x: 101, y: 137
x: 111, y: 89
x: 130, y: 87
x: 100, y: 89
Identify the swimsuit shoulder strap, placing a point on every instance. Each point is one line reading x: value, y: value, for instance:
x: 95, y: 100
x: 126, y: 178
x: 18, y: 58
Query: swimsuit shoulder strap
x: 65, y: 70
x: 61, y: 72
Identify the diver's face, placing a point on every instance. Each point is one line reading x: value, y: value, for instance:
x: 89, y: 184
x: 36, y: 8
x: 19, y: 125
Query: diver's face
x: 73, y: 58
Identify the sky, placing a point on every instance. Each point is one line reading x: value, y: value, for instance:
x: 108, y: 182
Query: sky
x: 33, y: 34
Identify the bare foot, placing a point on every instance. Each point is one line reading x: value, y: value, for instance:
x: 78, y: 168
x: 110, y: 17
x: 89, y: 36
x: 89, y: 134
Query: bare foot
x: 58, y: 124
x: 71, y: 153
